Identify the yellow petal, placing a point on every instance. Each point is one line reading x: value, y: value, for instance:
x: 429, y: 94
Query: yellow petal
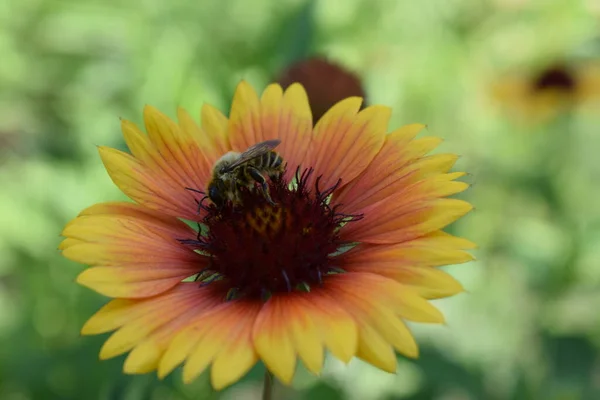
x: 201, y: 357
x: 306, y: 336
x: 245, y: 128
x: 446, y: 240
x: 214, y: 123
x: 69, y: 242
x: 375, y: 350
x: 231, y: 364
x: 226, y: 342
x: 296, y: 131
x: 143, y: 358
x: 415, y: 308
x: 179, y: 349
x: 137, y: 142
x: 113, y: 315
x: 338, y: 328
x: 132, y: 282
x: 273, y: 342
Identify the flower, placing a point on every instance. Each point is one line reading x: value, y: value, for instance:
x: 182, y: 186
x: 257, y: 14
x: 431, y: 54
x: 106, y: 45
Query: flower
x: 348, y: 253
x: 325, y: 82
x: 549, y: 91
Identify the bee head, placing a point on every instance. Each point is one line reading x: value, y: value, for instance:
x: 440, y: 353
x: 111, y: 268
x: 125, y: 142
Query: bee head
x: 214, y: 194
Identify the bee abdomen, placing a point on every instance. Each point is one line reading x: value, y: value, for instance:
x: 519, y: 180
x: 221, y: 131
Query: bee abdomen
x: 273, y: 160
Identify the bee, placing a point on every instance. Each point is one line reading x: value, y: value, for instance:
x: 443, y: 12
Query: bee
x: 236, y: 170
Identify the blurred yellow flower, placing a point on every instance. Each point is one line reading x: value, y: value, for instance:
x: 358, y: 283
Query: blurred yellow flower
x: 346, y: 255
x: 550, y: 91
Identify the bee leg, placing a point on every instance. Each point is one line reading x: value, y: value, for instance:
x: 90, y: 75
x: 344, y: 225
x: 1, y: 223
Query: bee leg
x: 257, y: 176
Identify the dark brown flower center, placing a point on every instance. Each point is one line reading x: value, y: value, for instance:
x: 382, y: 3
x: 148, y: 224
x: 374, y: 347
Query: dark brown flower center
x: 257, y: 249
x: 557, y: 78
x: 326, y: 83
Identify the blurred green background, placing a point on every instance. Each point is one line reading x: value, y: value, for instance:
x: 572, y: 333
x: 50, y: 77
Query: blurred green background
x: 529, y: 326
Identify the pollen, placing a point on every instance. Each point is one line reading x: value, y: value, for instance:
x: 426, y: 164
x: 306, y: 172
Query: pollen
x: 267, y: 220
x: 257, y: 249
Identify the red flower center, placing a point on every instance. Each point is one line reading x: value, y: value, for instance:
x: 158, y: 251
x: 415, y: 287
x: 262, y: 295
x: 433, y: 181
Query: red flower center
x: 257, y: 249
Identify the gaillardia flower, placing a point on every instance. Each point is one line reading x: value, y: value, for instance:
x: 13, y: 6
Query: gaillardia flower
x: 549, y: 91
x: 345, y: 253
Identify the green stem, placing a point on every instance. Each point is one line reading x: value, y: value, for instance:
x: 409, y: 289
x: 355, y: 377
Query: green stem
x: 267, y: 386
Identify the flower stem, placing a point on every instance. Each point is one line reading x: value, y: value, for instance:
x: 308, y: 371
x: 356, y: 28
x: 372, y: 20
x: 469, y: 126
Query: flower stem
x: 267, y: 385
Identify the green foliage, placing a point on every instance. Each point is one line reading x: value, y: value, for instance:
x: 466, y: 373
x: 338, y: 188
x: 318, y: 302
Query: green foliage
x: 528, y: 327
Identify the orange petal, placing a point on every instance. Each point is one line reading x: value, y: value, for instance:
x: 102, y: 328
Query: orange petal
x: 399, y: 298
x: 209, y: 150
x: 138, y: 319
x: 134, y: 250
x: 432, y: 250
x: 386, y: 222
x: 336, y: 328
x: 144, y: 187
x: 223, y: 338
x: 411, y: 263
x: 390, y: 172
x: 346, y: 141
x: 170, y: 158
x: 146, y: 356
x: 276, y: 114
x: 295, y: 126
x: 303, y: 324
x: 176, y: 150
x: 377, y: 303
x: 238, y: 355
x: 299, y: 327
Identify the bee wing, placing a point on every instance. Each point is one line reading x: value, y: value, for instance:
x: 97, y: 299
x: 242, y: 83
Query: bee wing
x: 253, y: 152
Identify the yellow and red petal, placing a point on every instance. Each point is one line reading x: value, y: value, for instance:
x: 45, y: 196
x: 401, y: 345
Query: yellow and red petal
x: 345, y: 141
x: 222, y: 338
x: 133, y: 250
x: 378, y: 305
x: 211, y: 145
x: 303, y: 325
x: 433, y: 250
x: 273, y: 339
x: 381, y: 292
x: 413, y: 263
x: 375, y: 350
x: 145, y: 356
x: 276, y: 115
x: 214, y: 124
x: 166, y: 161
x: 146, y: 188
x: 393, y: 221
x: 396, y: 166
x: 139, y: 319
